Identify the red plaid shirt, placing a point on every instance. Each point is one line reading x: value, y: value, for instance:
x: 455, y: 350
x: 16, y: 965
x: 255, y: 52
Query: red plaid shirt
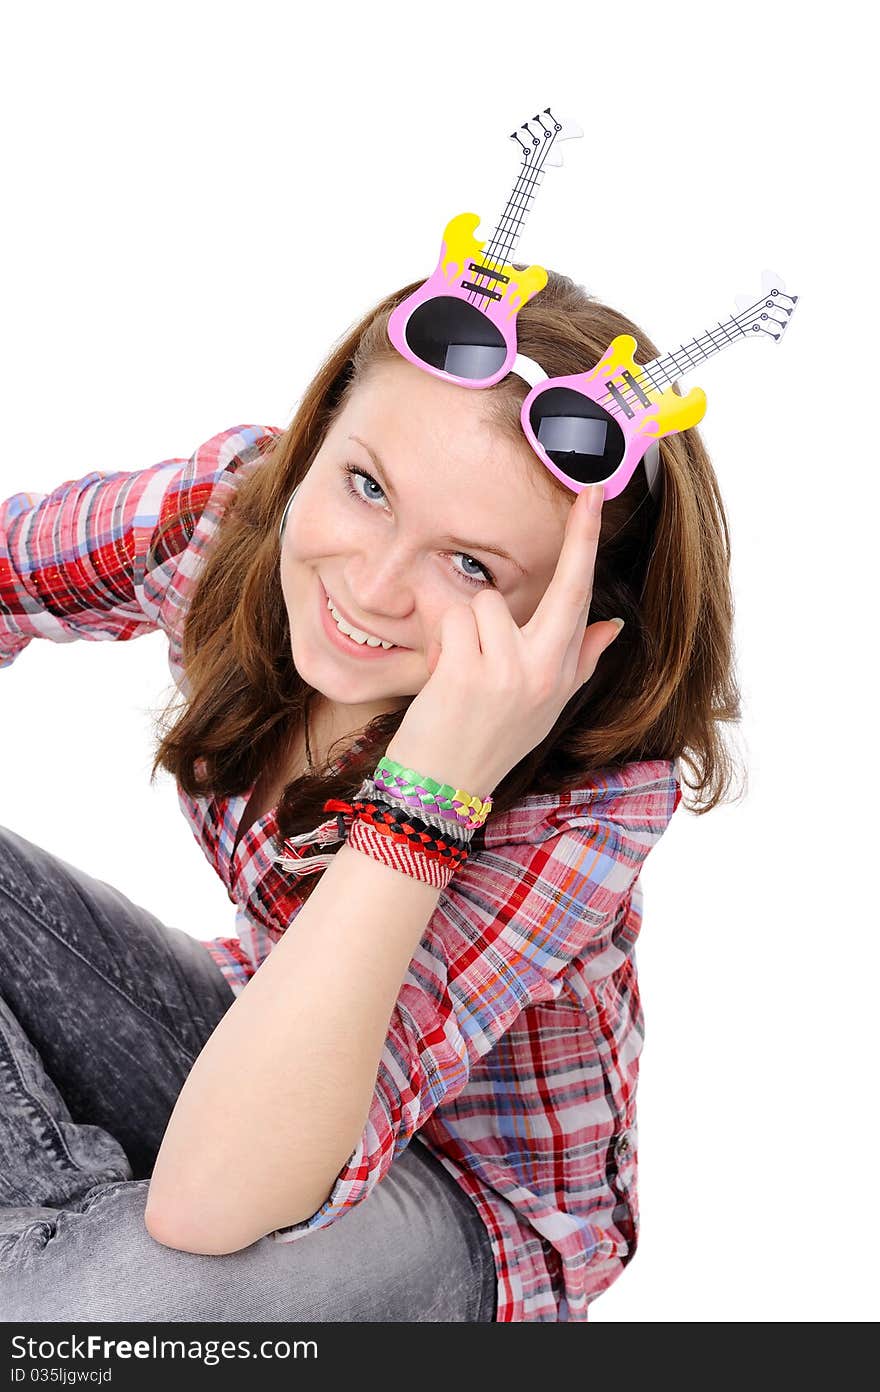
x: 513, y: 1048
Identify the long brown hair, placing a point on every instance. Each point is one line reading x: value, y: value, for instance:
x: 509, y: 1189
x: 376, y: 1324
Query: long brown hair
x: 661, y: 691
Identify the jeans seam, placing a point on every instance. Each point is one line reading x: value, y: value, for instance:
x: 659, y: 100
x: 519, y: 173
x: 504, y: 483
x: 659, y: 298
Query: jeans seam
x: 52, y: 1144
x: 108, y: 1189
x: 47, y: 927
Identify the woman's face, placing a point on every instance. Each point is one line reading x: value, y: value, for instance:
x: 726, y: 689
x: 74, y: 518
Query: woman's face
x: 394, y: 543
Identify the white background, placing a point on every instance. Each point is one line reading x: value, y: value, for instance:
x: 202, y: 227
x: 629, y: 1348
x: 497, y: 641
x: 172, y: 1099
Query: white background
x: 181, y: 185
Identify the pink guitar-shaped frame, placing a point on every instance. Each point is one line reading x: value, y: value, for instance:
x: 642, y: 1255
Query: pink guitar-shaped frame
x: 474, y: 285
x: 635, y: 404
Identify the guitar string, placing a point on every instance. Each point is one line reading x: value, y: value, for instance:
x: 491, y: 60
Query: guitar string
x: 506, y: 242
x: 531, y: 166
x: 755, y: 310
x: 741, y: 321
x: 498, y: 249
x: 496, y: 257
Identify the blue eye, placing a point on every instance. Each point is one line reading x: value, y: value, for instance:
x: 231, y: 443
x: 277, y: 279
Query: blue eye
x: 353, y: 470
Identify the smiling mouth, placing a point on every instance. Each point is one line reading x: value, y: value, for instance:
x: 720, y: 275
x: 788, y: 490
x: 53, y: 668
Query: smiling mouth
x: 356, y: 634
x: 360, y: 637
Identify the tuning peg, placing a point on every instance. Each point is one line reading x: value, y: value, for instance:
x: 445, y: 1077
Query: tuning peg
x: 568, y: 129
x: 771, y: 282
x: 782, y: 301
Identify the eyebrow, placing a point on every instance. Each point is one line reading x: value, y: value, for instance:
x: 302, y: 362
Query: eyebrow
x: 457, y: 541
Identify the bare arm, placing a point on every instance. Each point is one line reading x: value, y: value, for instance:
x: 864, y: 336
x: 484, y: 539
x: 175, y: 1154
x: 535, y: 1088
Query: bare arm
x: 278, y: 1097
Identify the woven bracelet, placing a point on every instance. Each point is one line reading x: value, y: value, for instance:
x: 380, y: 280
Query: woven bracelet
x: 398, y: 839
x: 419, y: 791
x: 400, y: 826
x: 444, y: 822
x: 400, y: 856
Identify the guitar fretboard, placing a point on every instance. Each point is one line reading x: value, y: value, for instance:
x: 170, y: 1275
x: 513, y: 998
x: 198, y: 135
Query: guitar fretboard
x: 757, y: 319
x: 509, y: 227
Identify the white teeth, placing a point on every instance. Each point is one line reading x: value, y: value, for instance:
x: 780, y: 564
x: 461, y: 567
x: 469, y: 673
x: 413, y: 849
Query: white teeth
x: 356, y: 633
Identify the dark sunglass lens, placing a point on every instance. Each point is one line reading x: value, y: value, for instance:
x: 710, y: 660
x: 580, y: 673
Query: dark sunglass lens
x: 454, y: 336
x: 582, y: 439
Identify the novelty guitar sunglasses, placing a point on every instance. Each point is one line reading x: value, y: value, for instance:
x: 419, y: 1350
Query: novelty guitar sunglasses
x: 586, y: 428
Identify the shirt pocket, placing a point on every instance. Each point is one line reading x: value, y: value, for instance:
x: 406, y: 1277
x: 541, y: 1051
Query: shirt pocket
x: 622, y: 1172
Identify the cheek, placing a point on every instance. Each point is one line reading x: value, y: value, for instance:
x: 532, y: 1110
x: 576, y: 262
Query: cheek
x: 431, y: 611
x: 307, y: 531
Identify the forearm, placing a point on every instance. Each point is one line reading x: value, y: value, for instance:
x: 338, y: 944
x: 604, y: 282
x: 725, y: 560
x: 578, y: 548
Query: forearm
x: 277, y: 1099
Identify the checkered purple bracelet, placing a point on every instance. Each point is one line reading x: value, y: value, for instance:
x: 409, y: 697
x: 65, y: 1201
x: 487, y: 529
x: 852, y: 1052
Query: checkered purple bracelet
x: 444, y: 822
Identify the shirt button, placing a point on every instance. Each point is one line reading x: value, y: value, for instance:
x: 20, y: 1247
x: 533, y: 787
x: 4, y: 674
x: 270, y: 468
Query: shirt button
x: 623, y: 1145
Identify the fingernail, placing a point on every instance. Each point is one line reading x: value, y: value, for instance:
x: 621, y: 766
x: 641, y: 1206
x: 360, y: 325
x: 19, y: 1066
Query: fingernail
x: 620, y: 623
x: 597, y: 492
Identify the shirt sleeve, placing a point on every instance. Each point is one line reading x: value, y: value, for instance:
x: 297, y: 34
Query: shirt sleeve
x: 506, y: 928
x: 82, y: 561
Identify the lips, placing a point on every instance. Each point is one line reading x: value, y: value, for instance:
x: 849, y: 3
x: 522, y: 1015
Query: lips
x: 339, y: 609
x: 341, y: 641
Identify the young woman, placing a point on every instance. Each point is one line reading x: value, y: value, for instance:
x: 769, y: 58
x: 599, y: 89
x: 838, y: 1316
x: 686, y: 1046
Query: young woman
x: 405, y: 1089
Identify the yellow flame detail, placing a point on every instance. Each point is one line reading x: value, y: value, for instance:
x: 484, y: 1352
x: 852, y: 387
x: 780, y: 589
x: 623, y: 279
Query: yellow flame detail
x: 462, y: 247
x: 673, y: 412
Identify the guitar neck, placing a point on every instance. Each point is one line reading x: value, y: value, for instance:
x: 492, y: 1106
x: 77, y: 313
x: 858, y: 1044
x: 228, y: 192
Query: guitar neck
x: 509, y: 227
x: 752, y: 322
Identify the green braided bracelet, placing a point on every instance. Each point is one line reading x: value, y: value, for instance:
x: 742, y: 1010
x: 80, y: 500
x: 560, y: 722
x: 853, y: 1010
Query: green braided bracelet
x: 417, y: 790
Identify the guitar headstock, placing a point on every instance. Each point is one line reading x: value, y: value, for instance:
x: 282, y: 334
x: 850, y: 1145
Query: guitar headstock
x: 538, y: 137
x: 770, y: 312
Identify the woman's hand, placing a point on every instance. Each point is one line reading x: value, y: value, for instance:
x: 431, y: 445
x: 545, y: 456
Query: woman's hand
x: 496, y: 690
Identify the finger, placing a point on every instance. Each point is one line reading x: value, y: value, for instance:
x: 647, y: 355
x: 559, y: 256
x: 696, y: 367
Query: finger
x: 456, y: 640
x: 496, y: 628
x: 565, y: 604
x: 432, y: 655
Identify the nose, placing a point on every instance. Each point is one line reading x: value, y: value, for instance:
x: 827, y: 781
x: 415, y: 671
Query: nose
x: 381, y: 585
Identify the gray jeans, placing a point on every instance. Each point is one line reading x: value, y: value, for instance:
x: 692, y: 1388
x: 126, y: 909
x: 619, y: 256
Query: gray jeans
x: 103, y: 1011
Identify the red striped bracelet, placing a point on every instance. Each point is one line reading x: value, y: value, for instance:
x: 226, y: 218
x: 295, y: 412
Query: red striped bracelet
x: 405, y: 843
